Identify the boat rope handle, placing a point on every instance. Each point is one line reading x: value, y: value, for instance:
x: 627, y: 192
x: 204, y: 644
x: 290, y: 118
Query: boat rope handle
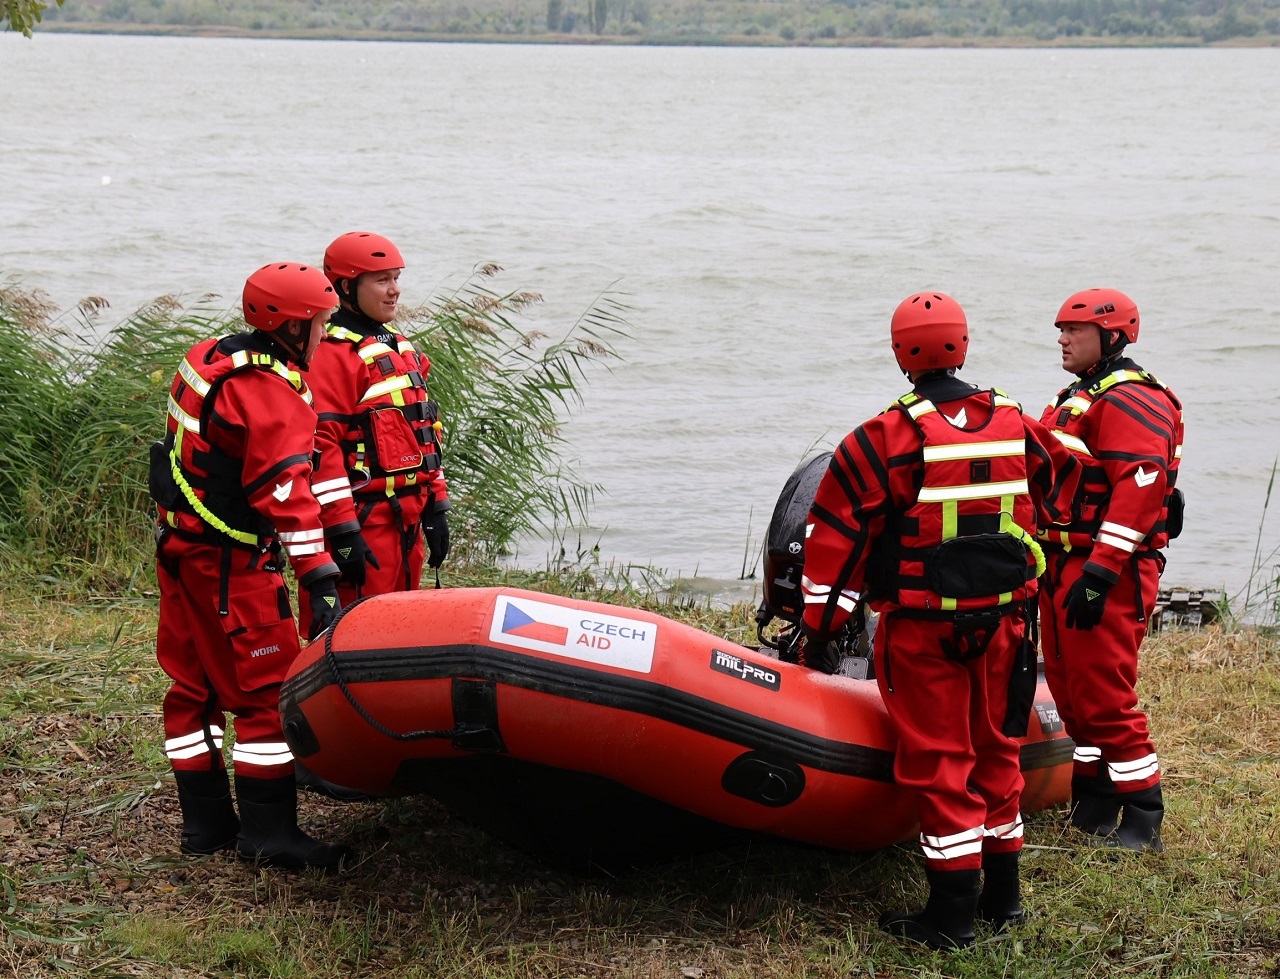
x: 369, y: 719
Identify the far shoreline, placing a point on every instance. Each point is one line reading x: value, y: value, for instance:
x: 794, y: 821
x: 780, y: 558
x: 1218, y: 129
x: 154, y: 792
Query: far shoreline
x: 638, y: 40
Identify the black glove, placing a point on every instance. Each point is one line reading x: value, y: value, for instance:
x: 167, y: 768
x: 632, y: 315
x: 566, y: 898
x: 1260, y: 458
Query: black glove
x: 325, y: 605
x: 821, y: 656
x: 1085, y: 601
x: 350, y: 553
x: 435, y: 528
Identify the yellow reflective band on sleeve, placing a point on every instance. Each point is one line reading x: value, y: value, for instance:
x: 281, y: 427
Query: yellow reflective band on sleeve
x: 975, y: 450
x: 980, y: 491
x: 1077, y: 404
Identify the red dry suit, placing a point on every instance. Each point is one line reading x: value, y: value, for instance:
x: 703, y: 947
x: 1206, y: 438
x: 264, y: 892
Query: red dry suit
x: 927, y: 509
x: 232, y: 480
x: 380, y: 451
x: 1126, y: 429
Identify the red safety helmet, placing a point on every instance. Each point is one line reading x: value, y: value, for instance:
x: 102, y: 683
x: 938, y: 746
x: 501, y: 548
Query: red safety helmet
x: 1108, y: 309
x: 285, y: 291
x: 930, y: 332
x: 356, y: 252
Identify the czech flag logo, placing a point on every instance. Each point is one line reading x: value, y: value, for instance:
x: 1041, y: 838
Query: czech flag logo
x: 518, y: 622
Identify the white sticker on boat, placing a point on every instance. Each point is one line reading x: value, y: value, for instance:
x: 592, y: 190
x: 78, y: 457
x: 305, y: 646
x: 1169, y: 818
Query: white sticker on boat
x: 581, y: 634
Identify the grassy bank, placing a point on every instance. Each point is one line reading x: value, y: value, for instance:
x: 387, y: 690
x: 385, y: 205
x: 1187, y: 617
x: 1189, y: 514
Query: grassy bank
x: 91, y: 882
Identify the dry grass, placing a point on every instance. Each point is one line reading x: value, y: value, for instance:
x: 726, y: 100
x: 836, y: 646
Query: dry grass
x: 91, y: 882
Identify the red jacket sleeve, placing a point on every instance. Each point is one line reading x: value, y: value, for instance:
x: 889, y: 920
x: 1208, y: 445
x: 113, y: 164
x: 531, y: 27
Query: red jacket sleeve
x: 275, y: 429
x: 1053, y: 475
x: 437, y: 490
x: 1133, y: 433
x: 335, y: 378
x: 873, y: 472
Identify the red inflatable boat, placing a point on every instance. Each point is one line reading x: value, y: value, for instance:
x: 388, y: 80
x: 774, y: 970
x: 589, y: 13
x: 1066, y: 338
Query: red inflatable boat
x: 603, y: 733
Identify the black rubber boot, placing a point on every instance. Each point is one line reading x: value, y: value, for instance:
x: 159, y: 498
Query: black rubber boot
x: 1094, y: 807
x: 946, y: 923
x: 269, y: 833
x: 1141, y: 814
x: 209, y: 821
x: 1000, y: 903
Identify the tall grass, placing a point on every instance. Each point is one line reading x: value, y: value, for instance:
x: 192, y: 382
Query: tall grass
x: 77, y: 416
x: 1258, y: 602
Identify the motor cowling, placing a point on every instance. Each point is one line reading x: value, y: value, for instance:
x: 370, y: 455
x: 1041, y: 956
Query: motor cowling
x: 784, y: 543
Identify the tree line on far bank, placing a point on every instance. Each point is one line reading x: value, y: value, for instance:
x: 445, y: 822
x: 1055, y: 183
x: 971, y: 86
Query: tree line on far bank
x: 706, y: 21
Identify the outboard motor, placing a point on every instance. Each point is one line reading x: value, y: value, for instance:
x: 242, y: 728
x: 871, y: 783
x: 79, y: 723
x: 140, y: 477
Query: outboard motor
x: 784, y: 565
x: 784, y: 544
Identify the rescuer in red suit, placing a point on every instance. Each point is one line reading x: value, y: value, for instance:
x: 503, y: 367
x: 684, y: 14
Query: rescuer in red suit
x: 380, y: 483
x: 232, y: 480
x: 1125, y: 428
x: 928, y: 511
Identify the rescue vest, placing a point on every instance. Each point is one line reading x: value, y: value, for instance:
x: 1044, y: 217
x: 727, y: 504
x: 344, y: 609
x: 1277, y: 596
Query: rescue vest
x: 394, y: 437
x: 966, y: 543
x: 204, y: 496
x: 1067, y: 425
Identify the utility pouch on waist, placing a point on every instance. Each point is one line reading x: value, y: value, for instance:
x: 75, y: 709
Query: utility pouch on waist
x: 977, y: 565
x: 160, y: 484
x: 1173, y: 518
x: 395, y: 447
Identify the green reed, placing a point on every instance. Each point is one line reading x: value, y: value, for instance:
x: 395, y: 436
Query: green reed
x: 77, y: 419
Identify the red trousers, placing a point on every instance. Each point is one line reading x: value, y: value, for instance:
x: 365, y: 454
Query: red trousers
x: 226, y: 638
x: 400, y: 555
x: 1093, y: 675
x: 966, y: 774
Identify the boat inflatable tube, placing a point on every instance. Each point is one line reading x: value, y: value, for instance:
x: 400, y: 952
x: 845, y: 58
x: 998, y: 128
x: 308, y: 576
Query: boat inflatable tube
x: 607, y: 734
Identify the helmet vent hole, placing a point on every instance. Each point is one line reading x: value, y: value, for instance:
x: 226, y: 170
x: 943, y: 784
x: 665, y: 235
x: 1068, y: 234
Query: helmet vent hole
x: 379, y: 254
x: 273, y: 309
x: 915, y: 351
x: 951, y: 347
x: 928, y: 305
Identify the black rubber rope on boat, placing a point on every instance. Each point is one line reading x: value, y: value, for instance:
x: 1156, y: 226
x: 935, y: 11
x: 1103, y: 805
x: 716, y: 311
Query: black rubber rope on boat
x: 369, y: 719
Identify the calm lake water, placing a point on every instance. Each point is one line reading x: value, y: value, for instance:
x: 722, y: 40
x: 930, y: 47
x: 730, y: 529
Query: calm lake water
x: 762, y: 210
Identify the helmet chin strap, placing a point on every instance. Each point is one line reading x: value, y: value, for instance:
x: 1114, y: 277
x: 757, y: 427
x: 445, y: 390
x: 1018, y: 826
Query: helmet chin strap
x: 350, y: 297
x: 1113, y: 341
x: 295, y: 355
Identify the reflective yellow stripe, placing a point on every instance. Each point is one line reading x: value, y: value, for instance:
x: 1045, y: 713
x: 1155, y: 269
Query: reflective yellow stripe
x: 922, y: 407
x: 975, y: 450
x: 181, y: 417
x: 202, y: 511
x: 981, y: 491
x: 1072, y: 443
x: 1009, y: 526
x: 194, y: 381
x: 398, y: 383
